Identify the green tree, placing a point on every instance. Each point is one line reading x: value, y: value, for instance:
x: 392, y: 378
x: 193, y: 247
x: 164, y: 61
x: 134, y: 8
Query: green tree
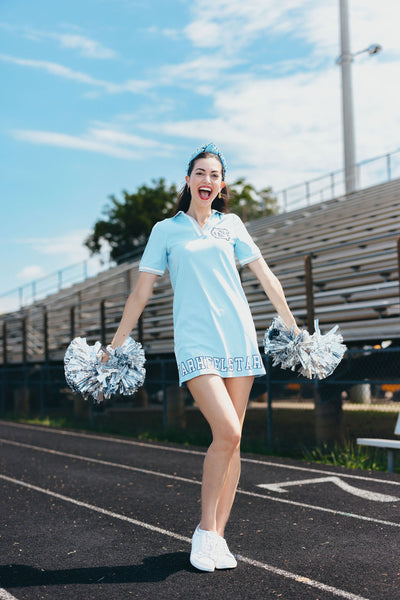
x: 128, y: 222
x: 249, y: 203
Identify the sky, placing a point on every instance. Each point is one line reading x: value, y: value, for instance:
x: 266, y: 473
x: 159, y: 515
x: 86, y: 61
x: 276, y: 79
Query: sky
x: 100, y: 96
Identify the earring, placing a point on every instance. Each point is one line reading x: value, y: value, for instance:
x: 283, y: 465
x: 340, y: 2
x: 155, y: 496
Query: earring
x: 219, y: 195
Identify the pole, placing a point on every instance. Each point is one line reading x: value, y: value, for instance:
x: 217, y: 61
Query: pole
x: 270, y: 425
x: 5, y: 358
x: 388, y: 167
x: 346, y: 59
x: 398, y: 262
x: 72, y: 322
x: 45, y: 335
x: 309, y: 283
x: 24, y: 328
x: 103, y: 322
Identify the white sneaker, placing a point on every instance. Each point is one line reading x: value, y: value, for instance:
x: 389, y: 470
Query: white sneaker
x: 203, y: 549
x: 223, y: 558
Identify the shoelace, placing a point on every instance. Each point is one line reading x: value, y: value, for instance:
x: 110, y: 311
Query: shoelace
x: 208, y: 543
x: 222, y: 545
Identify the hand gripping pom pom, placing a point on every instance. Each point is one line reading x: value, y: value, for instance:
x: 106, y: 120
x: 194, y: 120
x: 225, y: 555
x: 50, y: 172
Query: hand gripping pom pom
x: 123, y: 374
x: 315, y: 355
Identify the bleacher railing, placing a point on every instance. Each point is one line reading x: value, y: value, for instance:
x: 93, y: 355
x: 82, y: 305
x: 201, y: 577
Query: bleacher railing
x: 379, y: 169
x: 373, y: 171
x: 56, y: 281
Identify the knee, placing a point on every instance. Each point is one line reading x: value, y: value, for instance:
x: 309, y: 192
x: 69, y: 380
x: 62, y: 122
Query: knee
x: 230, y: 439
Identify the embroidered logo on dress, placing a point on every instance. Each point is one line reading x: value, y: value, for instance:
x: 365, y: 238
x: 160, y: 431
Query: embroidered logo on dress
x: 220, y: 233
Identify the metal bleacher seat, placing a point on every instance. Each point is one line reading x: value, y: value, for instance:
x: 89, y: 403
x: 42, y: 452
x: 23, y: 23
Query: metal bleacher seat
x: 352, y: 242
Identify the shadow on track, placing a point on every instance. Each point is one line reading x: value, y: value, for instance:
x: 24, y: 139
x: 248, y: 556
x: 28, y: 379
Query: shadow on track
x: 152, y: 569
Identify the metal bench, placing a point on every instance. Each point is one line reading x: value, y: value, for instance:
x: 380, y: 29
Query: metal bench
x: 390, y: 445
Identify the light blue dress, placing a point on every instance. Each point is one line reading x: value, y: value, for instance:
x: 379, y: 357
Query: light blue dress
x: 213, y: 327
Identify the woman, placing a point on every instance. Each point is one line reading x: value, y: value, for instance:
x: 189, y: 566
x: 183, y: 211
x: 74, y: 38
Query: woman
x: 215, y: 339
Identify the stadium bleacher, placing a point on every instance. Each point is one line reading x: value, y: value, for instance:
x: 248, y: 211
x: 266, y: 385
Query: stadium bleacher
x: 353, y: 243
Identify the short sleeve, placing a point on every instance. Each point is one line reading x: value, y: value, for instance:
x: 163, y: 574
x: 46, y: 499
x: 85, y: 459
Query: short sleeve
x: 245, y: 248
x: 154, y: 259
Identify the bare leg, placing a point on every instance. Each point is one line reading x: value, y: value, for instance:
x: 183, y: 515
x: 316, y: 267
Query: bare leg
x: 224, y: 407
x: 212, y: 397
x: 239, y: 390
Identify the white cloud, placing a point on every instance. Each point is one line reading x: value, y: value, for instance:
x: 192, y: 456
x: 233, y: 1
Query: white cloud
x: 63, y: 140
x: 76, y: 41
x: 265, y: 125
x: 232, y: 24
x: 283, y: 126
x: 69, y: 246
x: 131, y: 85
x: 280, y: 126
x: 370, y: 22
x: 202, y: 70
x: 69, y: 250
x: 31, y: 272
x: 99, y: 139
x: 173, y: 34
x: 115, y: 137
x: 89, y: 48
x: 52, y: 68
x: 375, y: 22
x: 283, y: 130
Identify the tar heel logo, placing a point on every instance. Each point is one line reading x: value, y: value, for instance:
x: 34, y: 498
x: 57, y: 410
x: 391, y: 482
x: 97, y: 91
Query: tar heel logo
x: 220, y: 233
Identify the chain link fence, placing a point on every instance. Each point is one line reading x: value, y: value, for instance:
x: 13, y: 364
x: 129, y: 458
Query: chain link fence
x: 284, y: 410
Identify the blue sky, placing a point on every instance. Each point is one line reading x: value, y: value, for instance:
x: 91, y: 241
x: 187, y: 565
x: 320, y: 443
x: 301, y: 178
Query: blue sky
x: 104, y: 95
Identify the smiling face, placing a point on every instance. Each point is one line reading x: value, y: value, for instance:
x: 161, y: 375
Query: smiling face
x: 205, y: 181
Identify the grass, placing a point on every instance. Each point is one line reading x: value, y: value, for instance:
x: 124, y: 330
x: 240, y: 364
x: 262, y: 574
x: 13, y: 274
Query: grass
x: 172, y: 435
x: 348, y: 455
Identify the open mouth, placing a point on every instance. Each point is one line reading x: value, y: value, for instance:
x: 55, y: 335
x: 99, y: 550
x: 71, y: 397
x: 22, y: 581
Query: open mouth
x: 204, y: 192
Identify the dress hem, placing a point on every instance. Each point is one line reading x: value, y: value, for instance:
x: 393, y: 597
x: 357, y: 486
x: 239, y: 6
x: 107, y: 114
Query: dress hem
x: 186, y: 378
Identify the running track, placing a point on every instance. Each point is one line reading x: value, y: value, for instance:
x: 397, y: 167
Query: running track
x: 85, y: 516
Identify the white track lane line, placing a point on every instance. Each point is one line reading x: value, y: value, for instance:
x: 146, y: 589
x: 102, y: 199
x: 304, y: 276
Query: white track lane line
x: 4, y: 595
x: 254, y: 563
x: 186, y: 480
x: 280, y: 488
x: 98, y: 461
x: 195, y: 452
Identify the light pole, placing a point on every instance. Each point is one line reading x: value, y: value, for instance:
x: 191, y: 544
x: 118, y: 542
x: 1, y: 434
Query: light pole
x: 345, y: 59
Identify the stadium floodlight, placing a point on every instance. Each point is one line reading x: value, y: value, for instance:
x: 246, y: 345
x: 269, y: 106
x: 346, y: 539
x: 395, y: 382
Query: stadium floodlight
x: 372, y: 49
x: 345, y: 59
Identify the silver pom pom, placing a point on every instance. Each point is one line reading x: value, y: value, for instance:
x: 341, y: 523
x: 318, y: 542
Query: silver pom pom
x: 82, y: 367
x: 126, y: 369
x: 321, y: 354
x: 282, y: 344
x: 316, y: 355
x: 123, y: 374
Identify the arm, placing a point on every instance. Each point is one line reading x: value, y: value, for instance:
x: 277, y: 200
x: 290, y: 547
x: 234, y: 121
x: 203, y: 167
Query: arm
x: 273, y: 289
x: 134, y: 307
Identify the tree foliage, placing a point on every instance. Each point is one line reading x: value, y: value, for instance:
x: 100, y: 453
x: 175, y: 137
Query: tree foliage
x: 249, y: 203
x: 128, y: 222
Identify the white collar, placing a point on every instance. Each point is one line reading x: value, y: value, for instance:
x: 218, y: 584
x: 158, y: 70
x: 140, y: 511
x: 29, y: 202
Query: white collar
x: 213, y: 212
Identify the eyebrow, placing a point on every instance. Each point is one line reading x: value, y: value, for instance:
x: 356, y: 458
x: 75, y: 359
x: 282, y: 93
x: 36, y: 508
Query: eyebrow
x: 201, y: 169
